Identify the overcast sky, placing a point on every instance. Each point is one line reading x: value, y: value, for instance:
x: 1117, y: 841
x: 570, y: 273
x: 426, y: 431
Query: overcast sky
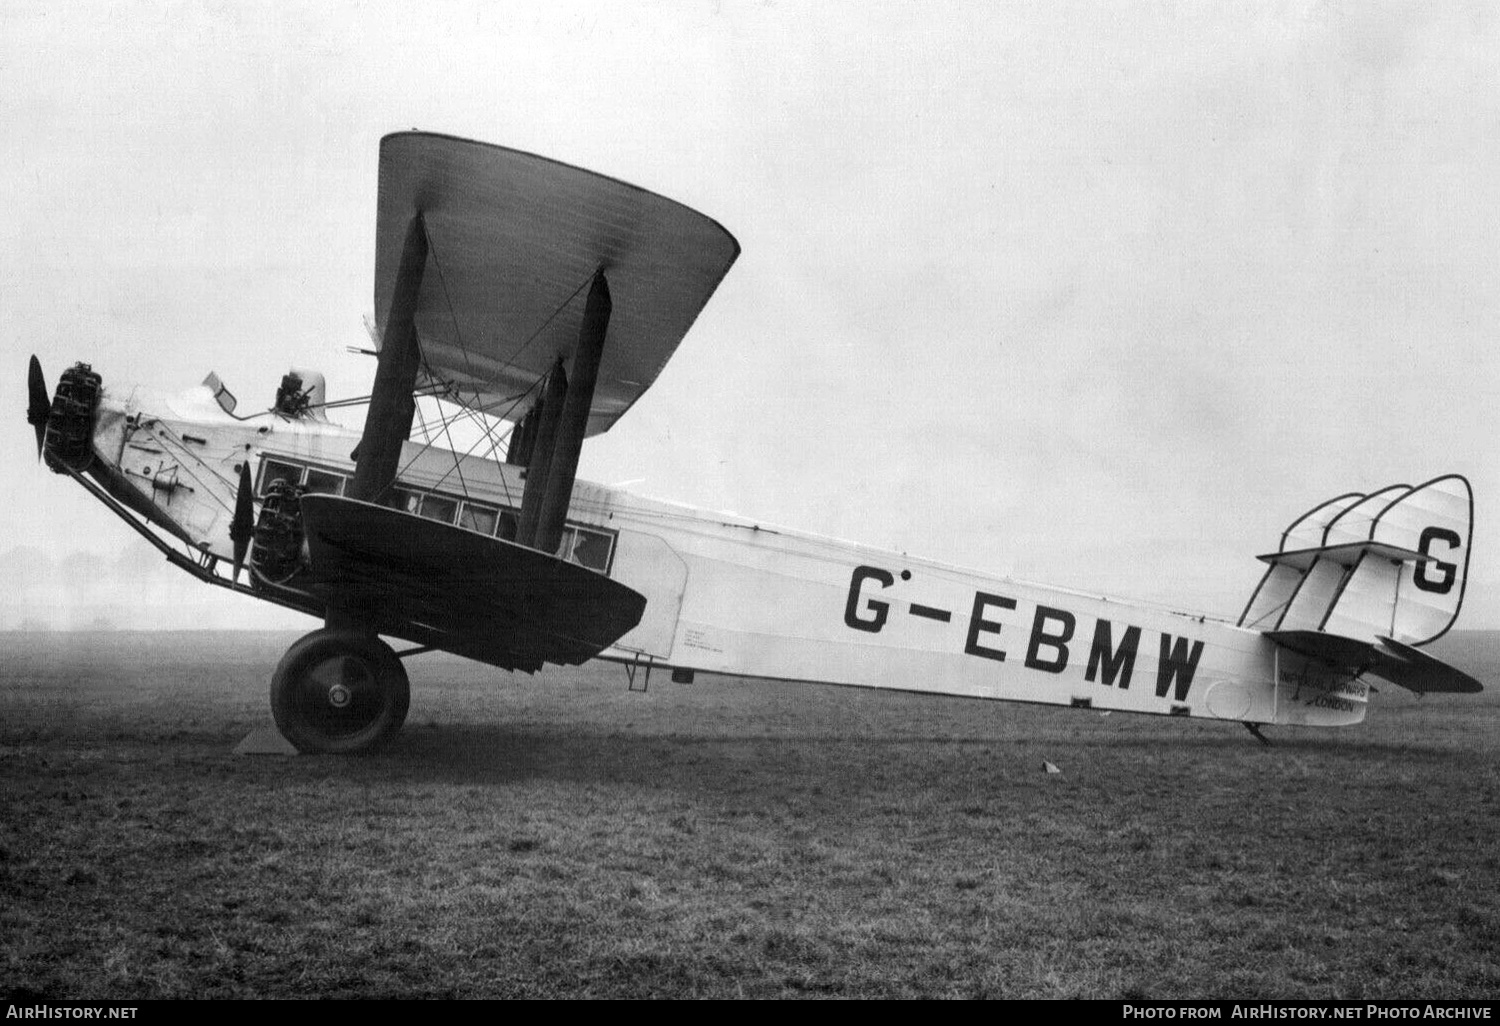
x: 1098, y: 294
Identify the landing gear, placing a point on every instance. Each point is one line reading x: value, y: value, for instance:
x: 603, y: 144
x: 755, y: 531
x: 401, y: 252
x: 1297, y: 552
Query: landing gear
x: 339, y: 691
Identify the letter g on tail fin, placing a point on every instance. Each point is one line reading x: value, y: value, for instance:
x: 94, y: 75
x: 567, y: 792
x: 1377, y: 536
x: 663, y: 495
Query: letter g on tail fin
x: 1437, y: 520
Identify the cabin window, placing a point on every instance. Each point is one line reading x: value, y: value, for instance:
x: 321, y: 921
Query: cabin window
x: 276, y: 470
x: 509, y: 525
x: 588, y: 548
x: 435, y: 507
x: 323, y: 482
x: 404, y: 500
x: 478, y: 518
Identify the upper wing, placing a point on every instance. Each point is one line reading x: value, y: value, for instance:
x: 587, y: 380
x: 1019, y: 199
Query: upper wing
x: 513, y: 242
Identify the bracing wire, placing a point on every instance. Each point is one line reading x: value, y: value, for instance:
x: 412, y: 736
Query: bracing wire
x: 458, y: 331
x: 454, y: 394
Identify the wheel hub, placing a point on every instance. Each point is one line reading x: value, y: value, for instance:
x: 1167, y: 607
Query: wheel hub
x: 340, y: 696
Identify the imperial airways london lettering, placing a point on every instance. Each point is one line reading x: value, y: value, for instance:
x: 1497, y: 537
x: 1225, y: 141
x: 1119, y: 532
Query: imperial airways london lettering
x: 1051, y: 644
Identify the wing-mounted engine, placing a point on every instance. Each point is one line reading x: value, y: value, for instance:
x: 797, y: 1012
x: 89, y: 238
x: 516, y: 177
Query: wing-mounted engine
x: 277, y: 553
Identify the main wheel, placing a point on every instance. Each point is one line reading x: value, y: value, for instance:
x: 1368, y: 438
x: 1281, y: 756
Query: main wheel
x: 339, y: 691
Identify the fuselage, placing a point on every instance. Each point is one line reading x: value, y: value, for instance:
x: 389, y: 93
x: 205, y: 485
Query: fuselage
x: 728, y: 595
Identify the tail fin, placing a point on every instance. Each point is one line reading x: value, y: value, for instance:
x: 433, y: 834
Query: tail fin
x: 1362, y: 579
x: 1436, y: 519
x: 1390, y: 564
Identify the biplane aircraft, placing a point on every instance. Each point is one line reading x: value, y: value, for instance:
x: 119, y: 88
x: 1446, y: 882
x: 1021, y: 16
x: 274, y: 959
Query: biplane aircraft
x: 524, y: 292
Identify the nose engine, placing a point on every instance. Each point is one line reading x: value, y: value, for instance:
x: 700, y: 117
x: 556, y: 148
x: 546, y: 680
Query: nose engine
x: 65, y: 426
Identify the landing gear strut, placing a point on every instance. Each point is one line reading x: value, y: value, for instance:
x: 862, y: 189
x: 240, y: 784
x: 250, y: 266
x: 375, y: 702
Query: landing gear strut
x: 339, y: 691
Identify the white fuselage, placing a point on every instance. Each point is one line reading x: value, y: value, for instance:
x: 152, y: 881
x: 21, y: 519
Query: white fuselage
x: 727, y: 595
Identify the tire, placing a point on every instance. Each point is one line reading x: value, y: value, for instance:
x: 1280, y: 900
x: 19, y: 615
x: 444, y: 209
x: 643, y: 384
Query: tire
x: 339, y: 692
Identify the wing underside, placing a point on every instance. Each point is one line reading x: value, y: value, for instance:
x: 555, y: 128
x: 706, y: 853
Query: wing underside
x: 513, y: 241
x: 469, y: 593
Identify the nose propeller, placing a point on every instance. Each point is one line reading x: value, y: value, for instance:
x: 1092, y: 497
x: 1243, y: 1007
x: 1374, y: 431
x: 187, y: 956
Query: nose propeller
x: 40, y: 405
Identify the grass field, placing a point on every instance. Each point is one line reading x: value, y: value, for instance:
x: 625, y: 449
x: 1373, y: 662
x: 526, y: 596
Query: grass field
x: 559, y: 836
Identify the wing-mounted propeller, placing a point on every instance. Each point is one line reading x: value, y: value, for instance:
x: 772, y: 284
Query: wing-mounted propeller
x: 40, y: 404
x: 242, y: 527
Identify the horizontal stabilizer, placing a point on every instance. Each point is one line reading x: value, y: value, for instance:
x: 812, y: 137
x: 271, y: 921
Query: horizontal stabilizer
x: 1385, y: 658
x: 507, y: 604
x: 1417, y: 671
x: 1345, y: 555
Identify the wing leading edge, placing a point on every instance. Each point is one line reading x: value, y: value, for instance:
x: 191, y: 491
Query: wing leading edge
x: 514, y: 241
